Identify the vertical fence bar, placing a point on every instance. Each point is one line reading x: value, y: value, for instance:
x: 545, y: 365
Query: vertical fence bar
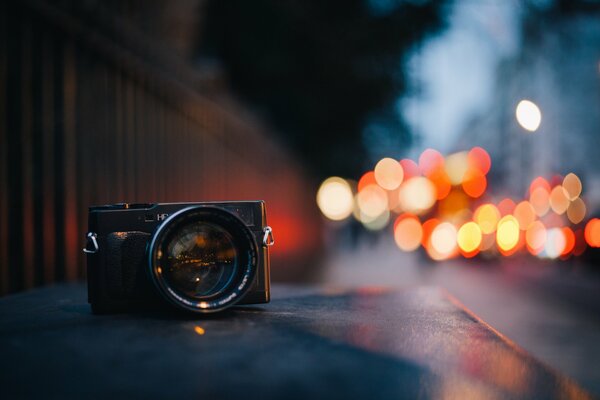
x: 4, y: 265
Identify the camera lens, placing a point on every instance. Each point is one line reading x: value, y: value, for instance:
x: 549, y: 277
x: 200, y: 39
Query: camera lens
x: 203, y: 259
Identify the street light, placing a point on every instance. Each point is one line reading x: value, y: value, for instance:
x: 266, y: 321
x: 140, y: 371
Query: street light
x: 528, y: 115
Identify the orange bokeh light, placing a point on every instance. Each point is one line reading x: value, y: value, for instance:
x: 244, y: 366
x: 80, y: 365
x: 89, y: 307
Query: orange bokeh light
x: 559, y: 200
x: 540, y: 200
x: 428, y: 227
x: 592, y: 232
x: 569, y: 240
x: 576, y: 211
x: 440, y: 180
x: 525, y: 214
x: 572, y: 185
x: 408, y: 232
x: 479, y: 159
x: 474, y: 183
x: 367, y: 179
x: 535, y: 237
x: 389, y: 173
x: 455, y: 202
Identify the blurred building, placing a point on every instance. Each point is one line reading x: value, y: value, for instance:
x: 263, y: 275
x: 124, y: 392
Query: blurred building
x: 102, y: 102
x: 558, y: 68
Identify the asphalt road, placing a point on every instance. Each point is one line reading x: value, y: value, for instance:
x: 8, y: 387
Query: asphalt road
x: 549, y: 309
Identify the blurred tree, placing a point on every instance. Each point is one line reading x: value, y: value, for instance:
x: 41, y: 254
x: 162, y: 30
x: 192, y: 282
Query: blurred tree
x: 321, y: 71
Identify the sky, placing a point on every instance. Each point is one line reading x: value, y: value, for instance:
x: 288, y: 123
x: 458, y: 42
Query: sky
x: 454, y: 73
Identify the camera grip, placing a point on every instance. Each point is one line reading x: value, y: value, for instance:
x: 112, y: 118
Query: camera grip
x: 125, y: 253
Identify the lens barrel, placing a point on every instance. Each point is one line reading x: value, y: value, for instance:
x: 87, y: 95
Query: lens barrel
x: 202, y: 259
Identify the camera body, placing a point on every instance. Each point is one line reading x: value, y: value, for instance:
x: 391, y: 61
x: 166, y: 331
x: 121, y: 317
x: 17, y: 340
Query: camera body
x: 126, y: 267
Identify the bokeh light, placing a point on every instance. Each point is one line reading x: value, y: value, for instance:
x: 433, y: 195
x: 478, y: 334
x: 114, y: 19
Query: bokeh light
x: 388, y: 173
x: 528, y: 115
x: 443, y: 239
x: 592, y: 232
x: 469, y: 237
x: 559, y: 200
x: 442, y: 183
x: 408, y: 232
x: 555, y: 243
x: 569, y: 240
x: 444, y: 191
x: 535, y: 237
x: 479, y: 159
x: 487, y: 217
x: 506, y: 206
x: 372, y: 202
x: 540, y: 200
x: 428, y: 227
x: 367, y: 179
x: 525, y: 214
x: 430, y: 160
x: 410, y: 168
x: 507, y: 234
x: 377, y: 223
x: 539, y: 182
x: 576, y: 211
x: 474, y: 183
x: 456, y: 166
x: 454, y: 203
x: 335, y: 199
x: 417, y: 195
x: 572, y: 185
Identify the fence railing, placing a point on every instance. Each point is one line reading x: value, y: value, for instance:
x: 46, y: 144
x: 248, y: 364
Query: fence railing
x: 84, y: 119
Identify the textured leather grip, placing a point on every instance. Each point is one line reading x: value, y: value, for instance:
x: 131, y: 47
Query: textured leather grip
x: 124, y: 262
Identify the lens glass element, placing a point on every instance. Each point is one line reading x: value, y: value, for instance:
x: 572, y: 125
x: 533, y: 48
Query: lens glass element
x: 201, y: 260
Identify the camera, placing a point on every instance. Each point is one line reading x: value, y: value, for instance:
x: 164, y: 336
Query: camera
x: 200, y: 257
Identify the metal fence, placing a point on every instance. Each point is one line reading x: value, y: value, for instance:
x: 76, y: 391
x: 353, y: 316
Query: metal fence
x: 84, y: 119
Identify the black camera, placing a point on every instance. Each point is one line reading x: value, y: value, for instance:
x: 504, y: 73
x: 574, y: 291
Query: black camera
x: 200, y: 257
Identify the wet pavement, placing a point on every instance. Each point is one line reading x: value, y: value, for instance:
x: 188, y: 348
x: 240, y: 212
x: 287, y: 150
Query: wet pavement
x: 307, y: 343
x: 552, y: 310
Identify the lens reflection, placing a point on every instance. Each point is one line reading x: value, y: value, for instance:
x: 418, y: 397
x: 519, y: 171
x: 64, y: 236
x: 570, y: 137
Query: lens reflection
x: 201, y: 260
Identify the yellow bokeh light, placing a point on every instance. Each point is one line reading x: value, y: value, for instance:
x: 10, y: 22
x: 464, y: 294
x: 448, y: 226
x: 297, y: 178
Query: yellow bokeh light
x: 528, y: 115
x: 417, y: 195
x: 572, y: 185
x: 487, y: 216
x: 576, y: 211
x: 389, y: 173
x: 372, y: 201
x: 443, y: 239
x: 408, y: 233
x: 335, y: 199
x: 199, y: 330
x: 507, y: 234
x: 559, y: 200
x: 540, y: 200
x: 525, y: 214
x: 469, y: 237
x: 456, y: 166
